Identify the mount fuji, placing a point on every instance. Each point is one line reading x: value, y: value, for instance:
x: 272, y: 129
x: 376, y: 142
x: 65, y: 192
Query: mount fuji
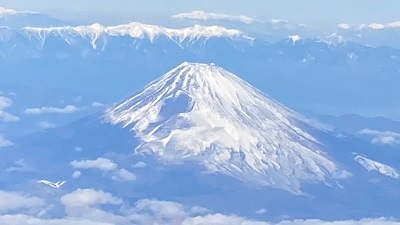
x: 204, y: 114
x: 200, y: 135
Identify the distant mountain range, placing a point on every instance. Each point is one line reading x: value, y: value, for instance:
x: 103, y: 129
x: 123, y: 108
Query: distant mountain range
x: 317, y: 73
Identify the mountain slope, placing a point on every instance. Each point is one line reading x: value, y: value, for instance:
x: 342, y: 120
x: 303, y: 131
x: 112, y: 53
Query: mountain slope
x: 202, y: 113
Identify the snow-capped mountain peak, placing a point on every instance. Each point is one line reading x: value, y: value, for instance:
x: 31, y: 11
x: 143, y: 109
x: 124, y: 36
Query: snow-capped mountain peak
x: 202, y: 113
x: 294, y: 38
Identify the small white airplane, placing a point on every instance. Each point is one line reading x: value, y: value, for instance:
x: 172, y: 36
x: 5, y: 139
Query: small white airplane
x: 56, y: 185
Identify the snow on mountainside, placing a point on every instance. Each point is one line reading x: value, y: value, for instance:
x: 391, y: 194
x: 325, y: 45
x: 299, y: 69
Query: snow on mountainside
x: 134, y: 30
x: 372, y: 165
x: 204, y: 114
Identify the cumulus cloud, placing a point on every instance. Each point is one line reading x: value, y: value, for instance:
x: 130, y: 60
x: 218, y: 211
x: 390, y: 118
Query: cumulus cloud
x: 382, y: 137
x: 31, y: 220
x: 123, y: 175
x: 102, y: 164
x: 4, y: 142
x: 139, y: 165
x: 76, y: 174
x: 201, y: 15
x: 88, y: 197
x: 105, y: 165
x: 42, y: 110
x: 46, y: 125
x: 5, y: 116
x: 14, y: 201
x: 85, y: 206
x: 380, y: 221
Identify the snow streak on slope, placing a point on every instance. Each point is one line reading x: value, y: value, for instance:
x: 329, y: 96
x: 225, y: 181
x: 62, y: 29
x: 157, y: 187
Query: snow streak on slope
x: 371, y: 165
x: 134, y: 30
x: 202, y: 113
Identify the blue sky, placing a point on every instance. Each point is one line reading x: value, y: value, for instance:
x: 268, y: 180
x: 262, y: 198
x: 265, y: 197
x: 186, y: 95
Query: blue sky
x: 304, y: 11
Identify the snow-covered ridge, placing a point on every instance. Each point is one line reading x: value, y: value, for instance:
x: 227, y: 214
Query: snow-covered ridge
x: 201, y: 15
x: 202, y: 113
x: 135, y: 30
x: 372, y: 165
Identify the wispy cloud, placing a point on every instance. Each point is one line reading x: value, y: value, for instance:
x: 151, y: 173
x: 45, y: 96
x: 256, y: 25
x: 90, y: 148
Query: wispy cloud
x: 382, y: 137
x: 42, y: 110
x: 5, y: 116
x: 380, y: 26
x: 19, y: 166
x: 201, y: 15
x: 46, y: 125
x: 4, y: 142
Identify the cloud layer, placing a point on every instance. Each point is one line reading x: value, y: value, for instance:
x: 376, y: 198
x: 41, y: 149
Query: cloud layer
x: 96, y: 207
x: 382, y: 137
x: 201, y: 15
x: 42, y: 110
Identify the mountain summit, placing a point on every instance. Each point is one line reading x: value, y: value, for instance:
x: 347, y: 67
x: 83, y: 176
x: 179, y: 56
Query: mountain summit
x: 204, y: 114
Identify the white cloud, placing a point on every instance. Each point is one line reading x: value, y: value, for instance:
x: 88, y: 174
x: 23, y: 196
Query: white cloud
x: 4, y: 142
x: 382, y: 137
x: 76, y: 174
x: 84, y: 207
x: 31, y: 220
x: 380, y: 221
x: 66, y: 109
x: 102, y: 164
x: 380, y: 26
x: 5, y: 116
x: 139, y: 165
x: 77, y: 99
x: 105, y: 165
x: 13, y: 201
x: 4, y: 11
x: 98, y: 104
x: 261, y: 211
x: 86, y: 204
x: 344, y: 26
x: 46, y: 125
x: 201, y: 15
x: 88, y: 197
x: 19, y: 166
x: 124, y: 175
